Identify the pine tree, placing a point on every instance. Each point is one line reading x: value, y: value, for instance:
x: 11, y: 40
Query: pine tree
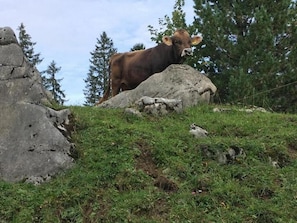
x: 52, y: 84
x: 28, y: 46
x: 98, y: 75
x: 138, y: 46
x: 249, y: 50
x: 34, y: 59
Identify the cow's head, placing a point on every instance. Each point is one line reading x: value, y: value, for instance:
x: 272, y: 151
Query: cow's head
x: 182, y: 42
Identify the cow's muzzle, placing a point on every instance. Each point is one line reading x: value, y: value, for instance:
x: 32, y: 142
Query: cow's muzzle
x: 187, y: 52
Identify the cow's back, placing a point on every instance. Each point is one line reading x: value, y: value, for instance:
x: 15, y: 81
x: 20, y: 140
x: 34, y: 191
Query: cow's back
x: 139, y: 65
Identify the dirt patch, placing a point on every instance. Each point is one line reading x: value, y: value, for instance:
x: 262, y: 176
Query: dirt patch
x: 292, y: 146
x: 145, y: 162
x: 97, y: 210
x: 165, y: 184
x: 264, y: 193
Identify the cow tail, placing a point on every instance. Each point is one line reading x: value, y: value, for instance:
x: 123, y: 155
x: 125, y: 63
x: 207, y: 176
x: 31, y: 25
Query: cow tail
x: 107, y: 91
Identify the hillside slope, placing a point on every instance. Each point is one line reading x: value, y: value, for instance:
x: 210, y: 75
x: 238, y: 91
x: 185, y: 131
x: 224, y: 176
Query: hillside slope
x: 152, y: 169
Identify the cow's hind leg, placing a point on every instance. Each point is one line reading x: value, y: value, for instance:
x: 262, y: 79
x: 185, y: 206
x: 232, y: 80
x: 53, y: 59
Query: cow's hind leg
x: 116, y: 86
x: 106, y: 94
x: 124, y: 87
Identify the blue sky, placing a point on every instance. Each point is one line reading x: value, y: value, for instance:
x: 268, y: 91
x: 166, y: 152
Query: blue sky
x: 66, y: 31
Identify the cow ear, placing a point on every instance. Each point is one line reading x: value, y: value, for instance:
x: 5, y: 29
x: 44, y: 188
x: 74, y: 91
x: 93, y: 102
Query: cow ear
x: 167, y: 40
x: 196, y: 40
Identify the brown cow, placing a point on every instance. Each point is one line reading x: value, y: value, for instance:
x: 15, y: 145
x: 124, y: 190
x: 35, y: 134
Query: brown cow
x: 128, y: 70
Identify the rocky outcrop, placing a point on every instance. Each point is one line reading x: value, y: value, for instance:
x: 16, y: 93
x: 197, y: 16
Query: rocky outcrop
x: 158, y: 106
x: 33, y: 137
x: 179, y: 82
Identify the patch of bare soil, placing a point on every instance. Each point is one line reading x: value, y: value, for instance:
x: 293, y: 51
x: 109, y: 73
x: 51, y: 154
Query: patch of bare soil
x: 145, y: 162
x: 292, y: 146
x: 94, y: 213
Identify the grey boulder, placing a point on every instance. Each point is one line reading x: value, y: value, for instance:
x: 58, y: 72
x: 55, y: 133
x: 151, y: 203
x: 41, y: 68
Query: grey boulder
x: 178, y: 81
x: 34, y: 139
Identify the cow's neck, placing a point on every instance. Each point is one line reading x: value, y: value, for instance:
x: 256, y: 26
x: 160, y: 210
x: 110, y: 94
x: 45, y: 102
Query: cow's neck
x: 167, y: 55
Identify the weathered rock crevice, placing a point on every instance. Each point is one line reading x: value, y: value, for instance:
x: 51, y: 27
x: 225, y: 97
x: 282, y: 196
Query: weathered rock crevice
x: 34, y: 142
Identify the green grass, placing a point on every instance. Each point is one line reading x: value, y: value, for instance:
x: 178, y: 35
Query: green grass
x: 151, y: 169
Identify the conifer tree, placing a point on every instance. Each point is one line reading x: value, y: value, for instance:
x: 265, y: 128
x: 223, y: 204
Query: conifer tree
x: 52, y: 84
x: 138, y: 46
x: 28, y: 46
x: 249, y: 50
x: 98, y: 75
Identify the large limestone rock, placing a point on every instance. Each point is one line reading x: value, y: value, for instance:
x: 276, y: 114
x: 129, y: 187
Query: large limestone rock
x: 180, y: 82
x: 33, y: 146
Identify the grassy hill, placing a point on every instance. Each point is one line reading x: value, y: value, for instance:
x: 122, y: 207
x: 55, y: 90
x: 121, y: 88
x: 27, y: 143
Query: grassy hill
x: 152, y: 169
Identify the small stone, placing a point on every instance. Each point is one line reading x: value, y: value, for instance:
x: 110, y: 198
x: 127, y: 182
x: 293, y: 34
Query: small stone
x: 197, y: 131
